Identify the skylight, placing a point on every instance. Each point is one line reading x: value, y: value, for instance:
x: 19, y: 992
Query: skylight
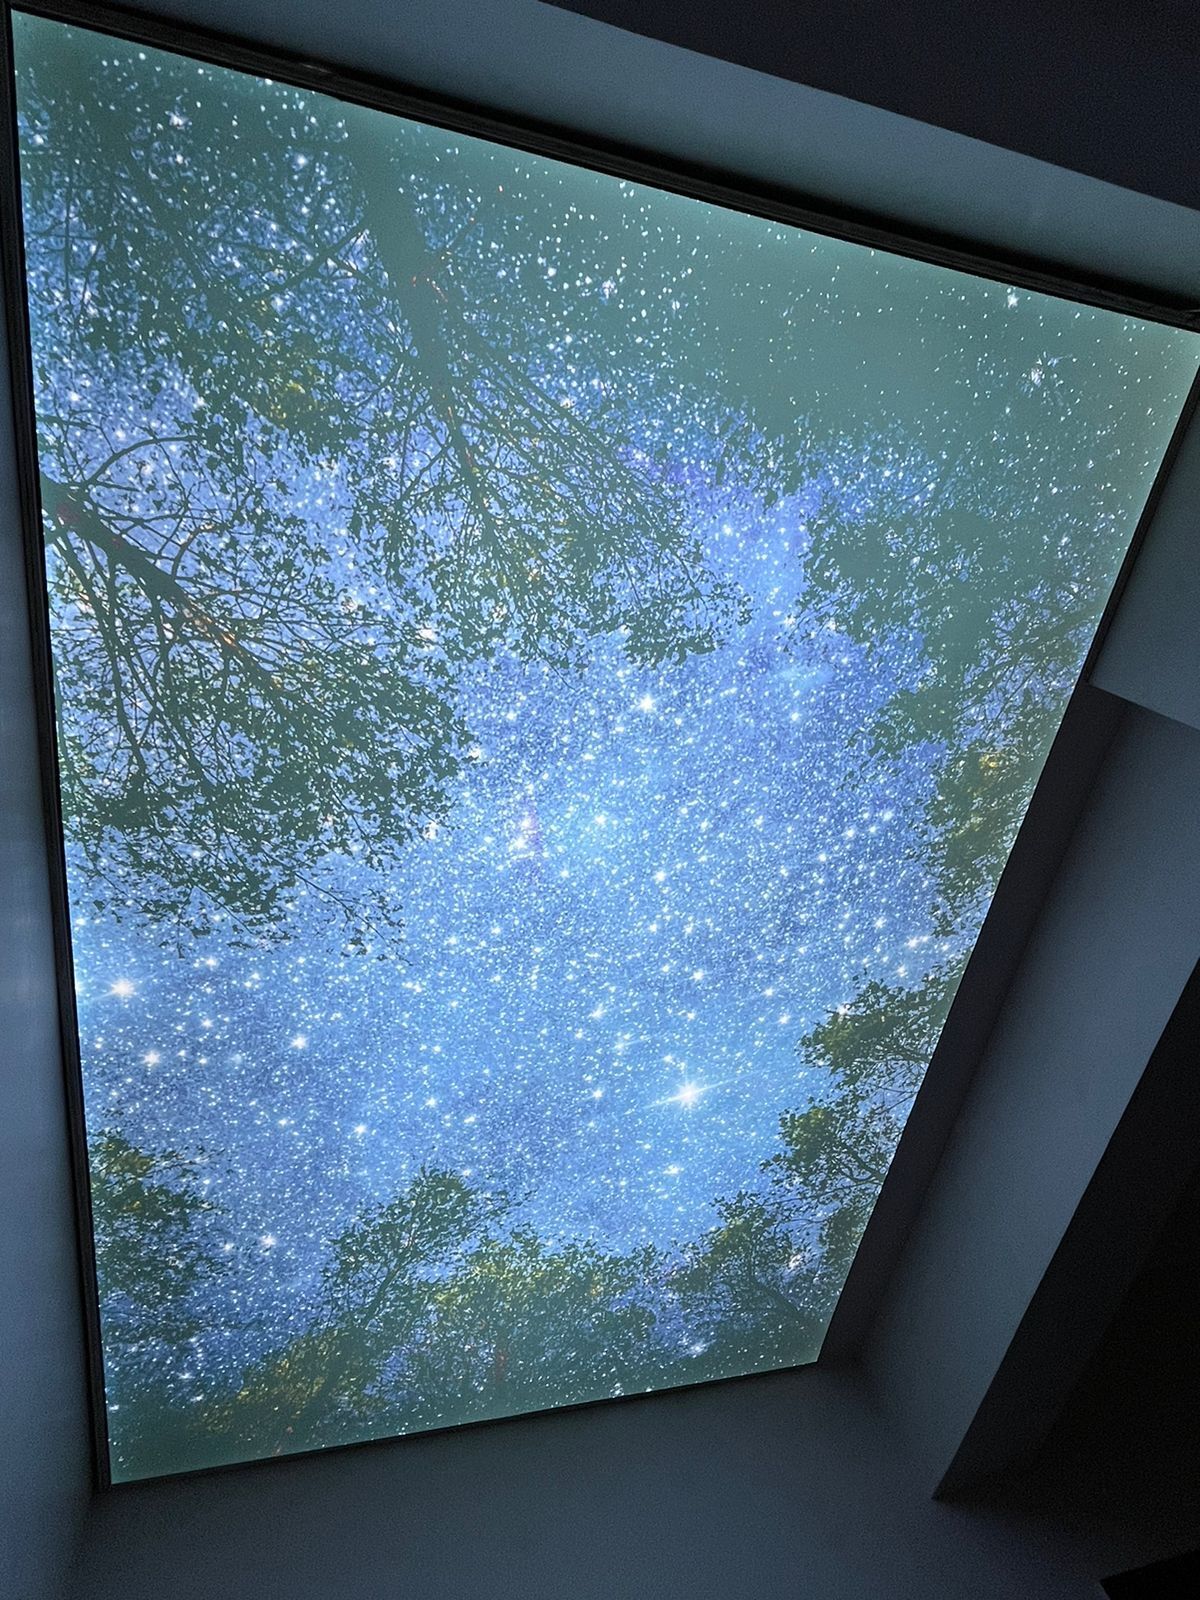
x: 548, y: 672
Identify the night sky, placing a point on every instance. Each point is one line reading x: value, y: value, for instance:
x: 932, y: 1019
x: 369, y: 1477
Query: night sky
x: 651, y: 882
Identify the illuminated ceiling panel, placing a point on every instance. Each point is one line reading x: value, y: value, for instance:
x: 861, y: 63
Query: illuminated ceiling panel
x: 548, y: 671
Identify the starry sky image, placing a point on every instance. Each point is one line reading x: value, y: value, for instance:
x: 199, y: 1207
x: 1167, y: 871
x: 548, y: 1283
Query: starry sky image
x: 589, y: 1004
x: 530, y: 650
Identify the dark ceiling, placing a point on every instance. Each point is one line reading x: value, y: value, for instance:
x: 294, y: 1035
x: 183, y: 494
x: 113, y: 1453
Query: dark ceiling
x: 1106, y: 87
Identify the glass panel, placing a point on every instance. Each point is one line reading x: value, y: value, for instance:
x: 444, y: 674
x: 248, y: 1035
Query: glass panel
x: 549, y: 672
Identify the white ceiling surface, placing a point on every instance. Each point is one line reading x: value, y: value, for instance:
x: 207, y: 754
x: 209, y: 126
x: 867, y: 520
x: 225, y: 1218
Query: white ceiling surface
x: 532, y: 60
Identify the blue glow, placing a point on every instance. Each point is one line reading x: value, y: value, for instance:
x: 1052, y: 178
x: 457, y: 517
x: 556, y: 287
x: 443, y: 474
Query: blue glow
x: 548, y: 673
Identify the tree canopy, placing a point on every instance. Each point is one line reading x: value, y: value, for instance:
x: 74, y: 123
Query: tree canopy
x: 336, y: 485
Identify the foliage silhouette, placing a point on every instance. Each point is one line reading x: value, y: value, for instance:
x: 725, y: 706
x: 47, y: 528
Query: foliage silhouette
x: 242, y: 696
x: 436, y: 1310
x: 158, y: 1241
x: 332, y: 1382
x: 748, y: 1289
x: 523, y: 1324
x: 835, y: 1153
x: 429, y: 1316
